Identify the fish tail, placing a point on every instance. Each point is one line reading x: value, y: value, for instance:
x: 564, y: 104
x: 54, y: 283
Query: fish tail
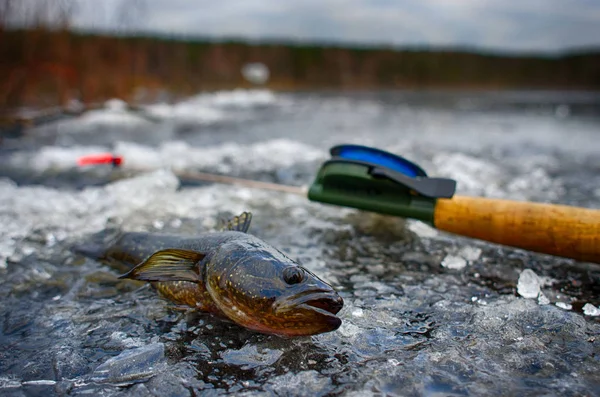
x: 96, y: 245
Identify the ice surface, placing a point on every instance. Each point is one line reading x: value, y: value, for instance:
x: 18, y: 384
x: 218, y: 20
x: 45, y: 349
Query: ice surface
x: 114, y: 113
x: 63, y: 214
x: 520, y: 187
x: 306, y: 383
x: 240, y: 98
x: 53, y: 158
x: 201, y: 109
x: 410, y: 326
x: 131, y: 366
x: 474, y: 176
x: 249, y: 356
x: 422, y: 229
x: 224, y: 158
x: 179, y: 155
x: 187, y: 112
x: 212, y: 107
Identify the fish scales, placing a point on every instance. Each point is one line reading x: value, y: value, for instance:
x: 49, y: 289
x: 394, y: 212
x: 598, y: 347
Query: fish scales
x: 232, y: 274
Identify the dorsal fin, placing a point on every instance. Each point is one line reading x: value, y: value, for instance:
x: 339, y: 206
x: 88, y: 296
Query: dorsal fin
x: 240, y: 223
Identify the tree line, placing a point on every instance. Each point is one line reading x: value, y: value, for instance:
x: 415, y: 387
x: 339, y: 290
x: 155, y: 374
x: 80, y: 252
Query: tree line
x: 42, y: 66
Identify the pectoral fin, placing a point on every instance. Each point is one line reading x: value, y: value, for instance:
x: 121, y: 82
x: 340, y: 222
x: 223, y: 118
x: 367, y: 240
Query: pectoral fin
x: 168, y: 265
x: 239, y: 223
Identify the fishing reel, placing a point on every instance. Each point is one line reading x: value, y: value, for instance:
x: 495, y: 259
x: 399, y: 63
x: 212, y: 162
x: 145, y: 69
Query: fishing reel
x: 374, y: 180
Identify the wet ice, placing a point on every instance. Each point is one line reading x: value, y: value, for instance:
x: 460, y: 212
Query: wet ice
x: 249, y: 356
x: 411, y: 323
x: 131, y: 366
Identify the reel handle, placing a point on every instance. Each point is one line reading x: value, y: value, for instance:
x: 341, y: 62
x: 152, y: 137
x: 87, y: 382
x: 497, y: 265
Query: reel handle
x: 560, y: 230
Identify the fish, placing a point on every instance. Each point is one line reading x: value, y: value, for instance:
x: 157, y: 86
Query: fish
x: 229, y: 273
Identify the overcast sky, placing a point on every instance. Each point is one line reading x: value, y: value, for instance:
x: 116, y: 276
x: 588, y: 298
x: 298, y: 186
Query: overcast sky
x: 506, y: 25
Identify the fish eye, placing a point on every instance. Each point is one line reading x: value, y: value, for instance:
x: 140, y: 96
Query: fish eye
x: 293, y: 275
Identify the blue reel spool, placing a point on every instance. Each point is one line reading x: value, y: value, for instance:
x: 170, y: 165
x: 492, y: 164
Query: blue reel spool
x: 374, y: 180
x: 384, y: 165
x: 378, y: 157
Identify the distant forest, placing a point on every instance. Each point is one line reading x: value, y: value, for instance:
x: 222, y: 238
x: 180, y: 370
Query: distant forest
x: 48, y: 67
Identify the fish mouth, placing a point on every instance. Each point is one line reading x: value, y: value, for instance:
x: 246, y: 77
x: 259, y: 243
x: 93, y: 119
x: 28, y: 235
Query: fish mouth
x: 309, y: 313
x: 324, y: 302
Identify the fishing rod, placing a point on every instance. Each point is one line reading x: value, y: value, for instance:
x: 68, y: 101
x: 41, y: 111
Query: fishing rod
x: 373, y: 180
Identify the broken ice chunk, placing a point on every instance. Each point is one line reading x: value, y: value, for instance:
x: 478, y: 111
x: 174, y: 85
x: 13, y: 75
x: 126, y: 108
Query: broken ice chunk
x: 357, y: 312
x: 590, y: 310
x: 529, y: 284
x: 349, y: 330
x: 41, y: 382
x: 461, y: 258
x: 454, y: 262
x: 249, y: 357
x: 470, y: 253
x: 563, y: 305
x: 304, y: 383
x: 421, y: 229
x: 131, y: 366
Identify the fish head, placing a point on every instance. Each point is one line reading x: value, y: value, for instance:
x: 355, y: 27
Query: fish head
x: 260, y: 288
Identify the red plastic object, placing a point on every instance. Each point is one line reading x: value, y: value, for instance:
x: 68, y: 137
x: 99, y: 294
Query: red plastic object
x: 101, y: 158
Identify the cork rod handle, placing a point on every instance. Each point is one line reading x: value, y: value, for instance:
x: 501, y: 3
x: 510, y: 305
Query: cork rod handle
x: 560, y: 230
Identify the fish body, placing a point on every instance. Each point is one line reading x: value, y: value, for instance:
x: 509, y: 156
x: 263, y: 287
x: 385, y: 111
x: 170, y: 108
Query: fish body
x: 232, y: 274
